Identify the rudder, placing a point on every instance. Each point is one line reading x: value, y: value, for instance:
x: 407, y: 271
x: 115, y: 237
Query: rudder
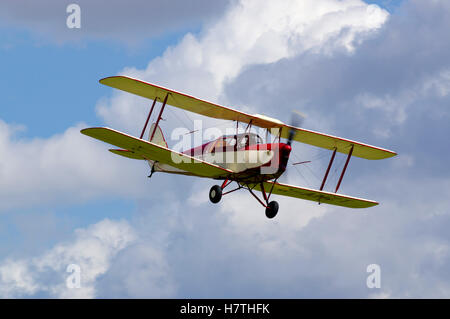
x: 158, y: 137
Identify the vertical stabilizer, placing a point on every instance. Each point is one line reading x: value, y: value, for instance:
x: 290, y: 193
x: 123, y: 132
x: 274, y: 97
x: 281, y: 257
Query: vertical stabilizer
x: 158, y: 137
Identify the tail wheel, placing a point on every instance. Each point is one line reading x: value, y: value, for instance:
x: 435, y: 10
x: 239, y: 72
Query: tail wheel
x: 272, y: 209
x: 215, y: 194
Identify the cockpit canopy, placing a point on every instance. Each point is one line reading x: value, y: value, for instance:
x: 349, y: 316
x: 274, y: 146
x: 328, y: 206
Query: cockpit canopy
x: 235, y: 142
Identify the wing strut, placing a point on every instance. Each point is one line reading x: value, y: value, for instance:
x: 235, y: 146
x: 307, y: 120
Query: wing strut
x: 345, y: 167
x: 328, y: 169
x: 249, y: 126
x: 159, y: 116
x: 148, y: 117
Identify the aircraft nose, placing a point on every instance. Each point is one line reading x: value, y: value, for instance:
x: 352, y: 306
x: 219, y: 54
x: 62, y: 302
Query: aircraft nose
x: 286, y: 149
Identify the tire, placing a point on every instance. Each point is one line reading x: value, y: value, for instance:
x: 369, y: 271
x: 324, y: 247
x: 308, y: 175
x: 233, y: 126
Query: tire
x: 272, y: 210
x: 215, y: 194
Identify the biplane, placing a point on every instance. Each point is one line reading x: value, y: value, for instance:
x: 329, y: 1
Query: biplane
x: 255, y: 165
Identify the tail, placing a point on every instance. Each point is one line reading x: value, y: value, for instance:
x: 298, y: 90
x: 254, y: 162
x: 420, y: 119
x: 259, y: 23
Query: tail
x: 158, y: 137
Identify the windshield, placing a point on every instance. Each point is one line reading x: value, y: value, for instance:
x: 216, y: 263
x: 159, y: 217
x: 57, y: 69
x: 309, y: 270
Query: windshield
x: 235, y: 142
x: 246, y: 139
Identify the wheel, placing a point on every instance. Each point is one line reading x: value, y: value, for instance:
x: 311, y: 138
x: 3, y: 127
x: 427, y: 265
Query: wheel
x: 215, y: 194
x: 272, y: 209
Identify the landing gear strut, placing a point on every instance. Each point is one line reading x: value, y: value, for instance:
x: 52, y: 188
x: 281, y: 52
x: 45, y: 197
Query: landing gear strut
x: 272, y: 209
x: 216, y: 192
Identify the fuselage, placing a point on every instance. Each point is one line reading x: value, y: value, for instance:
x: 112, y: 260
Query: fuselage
x: 244, y: 154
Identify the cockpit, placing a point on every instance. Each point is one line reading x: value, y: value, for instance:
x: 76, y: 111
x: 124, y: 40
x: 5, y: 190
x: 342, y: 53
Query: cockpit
x: 236, y: 142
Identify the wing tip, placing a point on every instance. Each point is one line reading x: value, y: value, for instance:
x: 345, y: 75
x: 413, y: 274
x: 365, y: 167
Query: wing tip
x: 369, y: 204
x: 87, y: 131
x: 84, y: 131
x: 389, y: 154
x: 102, y: 80
x: 393, y: 154
x: 105, y: 80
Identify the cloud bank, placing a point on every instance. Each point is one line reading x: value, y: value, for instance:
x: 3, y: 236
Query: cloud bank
x: 127, y: 22
x: 359, y: 74
x: 91, y: 249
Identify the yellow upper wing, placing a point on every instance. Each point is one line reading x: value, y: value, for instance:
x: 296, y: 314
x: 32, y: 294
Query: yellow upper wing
x: 192, y: 104
x: 342, y: 145
x: 315, y: 195
x: 183, y: 101
x: 151, y: 151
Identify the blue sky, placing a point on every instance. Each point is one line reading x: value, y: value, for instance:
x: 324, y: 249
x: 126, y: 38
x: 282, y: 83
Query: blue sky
x: 73, y: 70
x: 376, y: 74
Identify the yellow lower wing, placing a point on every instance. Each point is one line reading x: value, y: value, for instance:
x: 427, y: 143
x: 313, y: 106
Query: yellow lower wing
x: 149, y: 151
x: 315, y: 195
x: 127, y: 154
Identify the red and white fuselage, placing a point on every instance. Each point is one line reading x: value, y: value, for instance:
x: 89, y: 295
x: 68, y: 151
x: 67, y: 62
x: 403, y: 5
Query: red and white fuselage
x: 244, y: 154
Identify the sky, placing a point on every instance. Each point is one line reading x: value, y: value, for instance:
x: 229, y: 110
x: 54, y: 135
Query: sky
x: 372, y: 71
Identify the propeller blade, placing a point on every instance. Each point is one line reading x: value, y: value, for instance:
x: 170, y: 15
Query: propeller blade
x: 297, y: 119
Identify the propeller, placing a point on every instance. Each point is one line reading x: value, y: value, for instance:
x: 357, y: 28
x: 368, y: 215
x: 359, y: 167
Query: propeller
x: 297, y: 119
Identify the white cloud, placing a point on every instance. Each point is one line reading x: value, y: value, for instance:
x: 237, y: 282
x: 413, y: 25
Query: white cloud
x: 244, y: 218
x: 438, y: 84
x: 16, y: 279
x: 396, y: 106
x: 92, y: 248
x: 68, y: 167
x: 141, y: 271
x: 247, y: 34
x: 232, y: 250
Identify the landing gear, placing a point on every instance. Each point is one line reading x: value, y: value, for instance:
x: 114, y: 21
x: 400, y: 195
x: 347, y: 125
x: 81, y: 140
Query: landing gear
x: 215, y: 194
x: 152, y: 170
x: 272, y: 209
